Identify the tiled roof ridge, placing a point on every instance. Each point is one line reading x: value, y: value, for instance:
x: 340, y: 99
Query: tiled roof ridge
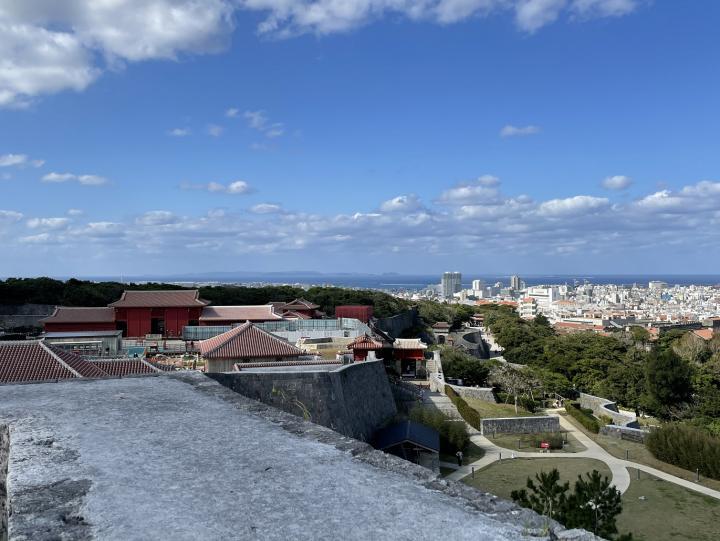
x: 59, y: 360
x: 232, y: 333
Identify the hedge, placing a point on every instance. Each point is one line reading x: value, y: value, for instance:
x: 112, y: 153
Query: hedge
x: 453, y: 434
x: 584, y: 416
x: 686, y: 446
x: 471, y: 416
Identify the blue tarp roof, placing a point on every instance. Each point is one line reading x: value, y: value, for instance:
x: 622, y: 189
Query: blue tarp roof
x: 408, y: 431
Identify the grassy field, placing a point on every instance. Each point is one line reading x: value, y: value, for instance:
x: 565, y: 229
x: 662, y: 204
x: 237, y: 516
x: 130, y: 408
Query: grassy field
x: 668, y: 512
x: 513, y: 441
x: 488, y: 410
x: 501, y: 478
x: 640, y: 454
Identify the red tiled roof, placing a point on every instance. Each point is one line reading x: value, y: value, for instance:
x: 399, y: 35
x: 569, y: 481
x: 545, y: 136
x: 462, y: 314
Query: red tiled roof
x: 299, y: 304
x: 705, y: 334
x: 295, y: 315
x: 181, y: 298
x: 364, y: 343
x: 30, y: 361
x: 247, y: 341
x: 67, y: 314
x: 85, y: 368
x: 129, y: 367
x: 239, y: 313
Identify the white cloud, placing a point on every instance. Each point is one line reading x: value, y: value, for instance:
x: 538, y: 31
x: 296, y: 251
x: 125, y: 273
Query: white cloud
x: 266, y: 208
x: 482, y: 190
x: 75, y: 212
x: 10, y: 216
x: 157, y: 217
x: 48, y: 223
x: 12, y: 159
x: 616, y: 182
x: 234, y: 188
x: 401, y: 203
x: 518, y: 131
x: 573, y: 205
x: 259, y: 121
x: 215, y: 130
x: 232, y: 112
x: 41, y: 238
x: 179, y: 132
x: 48, y: 46
x: 86, y: 180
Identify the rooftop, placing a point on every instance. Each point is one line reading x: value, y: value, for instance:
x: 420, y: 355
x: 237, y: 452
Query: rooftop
x: 68, y: 314
x: 245, y: 341
x: 264, y: 312
x: 180, y: 457
x: 409, y: 343
x: 181, y: 298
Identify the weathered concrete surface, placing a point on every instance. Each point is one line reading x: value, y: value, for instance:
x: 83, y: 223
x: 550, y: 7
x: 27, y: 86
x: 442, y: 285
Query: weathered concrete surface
x: 4, y: 452
x: 182, y: 457
x: 352, y: 399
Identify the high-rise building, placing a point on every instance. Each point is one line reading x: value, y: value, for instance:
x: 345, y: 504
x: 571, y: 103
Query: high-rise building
x: 451, y: 283
x: 515, y: 282
x: 477, y: 285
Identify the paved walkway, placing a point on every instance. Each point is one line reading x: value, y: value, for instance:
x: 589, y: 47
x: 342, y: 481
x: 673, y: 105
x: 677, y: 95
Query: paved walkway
x: 618, y: 467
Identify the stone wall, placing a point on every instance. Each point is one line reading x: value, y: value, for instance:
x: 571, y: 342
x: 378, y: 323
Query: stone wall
x: 4, y: 455
x: 602, y: 407
x: 624, y: 433
x: 395, y: 325
x: 520, y: 425
x: 23, y: 315
x: 353, y: 400
x: 479, y: 393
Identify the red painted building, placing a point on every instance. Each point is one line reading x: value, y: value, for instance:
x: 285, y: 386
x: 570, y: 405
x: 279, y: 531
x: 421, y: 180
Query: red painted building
x: 362, y: 345
x: 138, y: 313
x: 361, y: 312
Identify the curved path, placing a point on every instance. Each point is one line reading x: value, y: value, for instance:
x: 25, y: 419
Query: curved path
x: 618, y: 466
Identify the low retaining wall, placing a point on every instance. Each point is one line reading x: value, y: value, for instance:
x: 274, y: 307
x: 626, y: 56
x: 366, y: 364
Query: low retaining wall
x: 4, y: 456
x: 624, y: 433
x: 602, y: 407
x: 480, y: 393
x: 520, y: 425
x: 353, y: 400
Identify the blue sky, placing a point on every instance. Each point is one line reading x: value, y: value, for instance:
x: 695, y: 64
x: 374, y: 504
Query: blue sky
x: 492, y: 136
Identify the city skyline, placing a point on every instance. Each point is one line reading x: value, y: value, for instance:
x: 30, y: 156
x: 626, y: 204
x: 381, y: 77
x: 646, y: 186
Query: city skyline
x: 530, y: 137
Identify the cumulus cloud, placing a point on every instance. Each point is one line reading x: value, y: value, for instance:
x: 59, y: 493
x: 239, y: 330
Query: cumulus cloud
x: 10, y: 160
x: 573, y: 205
x: 75, y: 212
x: 616, y: 182
x: 518, y: 131
x: 401, y: 203
x: 48, y: 223
x: 232, y: 112
x: 235, y: 187
x: 266, y: 208
x: 10, y: 216
x: 85, y: 180
x: 157, y: 217
x: 51, y: 46
x: 481, y: 190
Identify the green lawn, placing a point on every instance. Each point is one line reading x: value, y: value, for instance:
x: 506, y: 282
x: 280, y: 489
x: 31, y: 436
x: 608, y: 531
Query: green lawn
x: 668, y: 512
x: 516, y: 443
x: 640, y: 454
x: 489, y: 410
x: 501, y: 478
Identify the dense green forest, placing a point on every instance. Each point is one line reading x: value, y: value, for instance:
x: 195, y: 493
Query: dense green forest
x: 84, y: 293
x: 676, y: 377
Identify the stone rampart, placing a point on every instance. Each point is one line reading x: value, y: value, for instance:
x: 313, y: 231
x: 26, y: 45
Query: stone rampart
x: 395, y: 325
x: 14, y: 316
x: 520, y: 425
x: 602, y: 407
x: 353, y: 400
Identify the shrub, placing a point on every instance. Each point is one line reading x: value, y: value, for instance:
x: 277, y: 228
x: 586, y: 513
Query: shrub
x: 555, y: 439
x: 524, y: 402
x: 686, y: 446
x: 584, y: 416
x: 471, y: 416
x: 452, y: 433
